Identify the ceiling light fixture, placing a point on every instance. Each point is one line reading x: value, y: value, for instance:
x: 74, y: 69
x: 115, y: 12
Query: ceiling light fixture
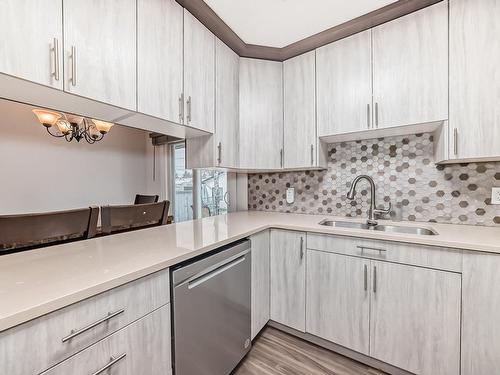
x: 72, y: 127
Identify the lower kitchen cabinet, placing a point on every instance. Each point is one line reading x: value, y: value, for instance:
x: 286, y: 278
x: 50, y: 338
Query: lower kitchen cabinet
x: 338, y: 299
x: 288, y: 278
x: 415, y: 318
x: 260, y: 281
x: 140, y: 348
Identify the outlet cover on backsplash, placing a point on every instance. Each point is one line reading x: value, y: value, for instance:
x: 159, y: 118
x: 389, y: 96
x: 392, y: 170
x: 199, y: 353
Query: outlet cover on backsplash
x: 405, y: 174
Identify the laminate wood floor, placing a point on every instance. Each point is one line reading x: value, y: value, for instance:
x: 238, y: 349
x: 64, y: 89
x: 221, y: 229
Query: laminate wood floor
x: 278, y: 353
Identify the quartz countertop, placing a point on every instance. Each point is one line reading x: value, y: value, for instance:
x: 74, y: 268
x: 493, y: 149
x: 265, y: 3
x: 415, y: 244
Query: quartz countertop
x: 37, y: 282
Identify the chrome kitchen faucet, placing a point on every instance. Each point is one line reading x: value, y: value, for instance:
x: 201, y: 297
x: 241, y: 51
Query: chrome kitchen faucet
x: 373, y: 212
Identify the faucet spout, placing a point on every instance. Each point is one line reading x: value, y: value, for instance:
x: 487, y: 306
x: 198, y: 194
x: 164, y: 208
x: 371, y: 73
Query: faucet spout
x: 373, y: 211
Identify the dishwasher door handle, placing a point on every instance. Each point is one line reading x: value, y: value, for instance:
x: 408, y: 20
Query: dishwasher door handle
x: 224, y: 266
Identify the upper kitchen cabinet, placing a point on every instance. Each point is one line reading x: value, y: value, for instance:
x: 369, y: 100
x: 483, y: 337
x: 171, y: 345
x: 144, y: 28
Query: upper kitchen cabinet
x: 160, y: 54
x: 474, y: 79
x: 199, y: 75
x: 31, y: 43
x: 410, y: 68
x: 261, y: 114
x: 300, y: 140
x: 344, y: 85
x: 100, y: 50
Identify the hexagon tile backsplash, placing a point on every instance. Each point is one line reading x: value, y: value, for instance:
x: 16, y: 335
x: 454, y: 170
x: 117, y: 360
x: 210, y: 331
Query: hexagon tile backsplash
x: 405, y: 174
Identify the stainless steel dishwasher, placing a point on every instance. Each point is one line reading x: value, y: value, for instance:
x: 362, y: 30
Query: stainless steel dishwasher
x: 211, y: 312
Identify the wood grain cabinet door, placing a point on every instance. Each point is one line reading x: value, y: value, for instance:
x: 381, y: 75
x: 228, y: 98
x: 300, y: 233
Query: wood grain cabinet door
x: 100, y: 50
x: 338, y: 299
x: 288, y: 273
x: 300, y: 141
x: 410, y: 68
x: 199, y: 74
x: 159, y: 58
x: 260, y: 281
x: 344, y: 85
x: 31, y: 43
x: 415, y: 318
x: 474, y: 79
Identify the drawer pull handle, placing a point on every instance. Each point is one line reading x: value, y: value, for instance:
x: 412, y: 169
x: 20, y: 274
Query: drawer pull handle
x: 76, y: 332
x: 112, y: 361
x: 362, y: 248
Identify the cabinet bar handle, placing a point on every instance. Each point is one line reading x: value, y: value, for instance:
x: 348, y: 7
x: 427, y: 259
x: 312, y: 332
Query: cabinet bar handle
x: 73, y: 65
x: 55, y: 51
x: 301, y: 247
x: 219, y: 149
x: 112, y: 361
x: 312, y: 154
x: 455, y: 141
x: 362, y: 248
x: 374, y: 279
x: 188, y: 117
x: 376, y: 115
x: 76, y: 332
x: 366, y: 278
x: 368, y: 115
x: 181, y: 108
x: 281, y: 158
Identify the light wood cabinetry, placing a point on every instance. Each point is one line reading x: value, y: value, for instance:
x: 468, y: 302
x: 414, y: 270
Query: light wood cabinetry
x: 415, y: 318
x: 260, y: 281
x: 261, y: 114
x: 344, y: 85
x: 140, y: 348
x: 31, y: 44
x: 199, y: 74
x: 410, y: 68
x: 338, y: 299
x: 160, y: 58
x: 474, y: 79
x: 288, y: 278
x: 300, y: 146
x: 100, y: 50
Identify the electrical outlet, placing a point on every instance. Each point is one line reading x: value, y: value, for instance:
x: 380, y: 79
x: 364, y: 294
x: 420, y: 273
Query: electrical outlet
x: 495, y: 195
x: 290, y: 195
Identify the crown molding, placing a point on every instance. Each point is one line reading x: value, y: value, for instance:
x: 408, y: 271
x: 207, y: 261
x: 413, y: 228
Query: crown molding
x: 221, y: 30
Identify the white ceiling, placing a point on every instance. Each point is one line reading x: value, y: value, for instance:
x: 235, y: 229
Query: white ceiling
x: 278, y: 23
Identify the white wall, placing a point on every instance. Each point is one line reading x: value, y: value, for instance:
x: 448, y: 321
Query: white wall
x: 42, y: 173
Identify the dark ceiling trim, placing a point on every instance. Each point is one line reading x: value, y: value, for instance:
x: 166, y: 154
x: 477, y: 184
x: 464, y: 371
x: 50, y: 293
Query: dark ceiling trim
x: 216, y: 25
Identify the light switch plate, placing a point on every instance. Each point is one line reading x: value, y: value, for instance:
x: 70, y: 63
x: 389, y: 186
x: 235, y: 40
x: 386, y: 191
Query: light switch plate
x: 495, y: 195
x: 290, y: 195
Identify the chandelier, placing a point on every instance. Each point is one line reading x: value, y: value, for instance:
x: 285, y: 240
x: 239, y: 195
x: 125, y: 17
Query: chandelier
x: 72, y: 127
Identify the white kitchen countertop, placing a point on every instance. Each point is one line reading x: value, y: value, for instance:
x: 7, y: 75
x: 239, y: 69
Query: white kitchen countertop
x: 36, y: 282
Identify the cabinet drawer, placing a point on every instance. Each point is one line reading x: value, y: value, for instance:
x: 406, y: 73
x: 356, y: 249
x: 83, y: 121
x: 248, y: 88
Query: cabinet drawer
x: 418, y: 255
x: 140, y: 348
x: 46, y: 341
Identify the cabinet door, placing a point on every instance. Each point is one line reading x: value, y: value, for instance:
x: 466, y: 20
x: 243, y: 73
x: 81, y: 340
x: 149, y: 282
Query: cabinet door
x: 100, y: 50
x: 29, y: 30
x: 199, y: 74
x: 415, y: 318
x: 474, y: 79
x: 261, y: 114
x: 159, y: 54
x: 300, y: 111
x: 344, y: 85
x: 260, y: 281
x: 338, y: 299
x: 288, y: 274
x: 227, y: 103
x: 410, y: 68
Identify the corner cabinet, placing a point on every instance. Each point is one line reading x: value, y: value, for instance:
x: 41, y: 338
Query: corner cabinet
x: 261, y: 114
x: 160, y: 58
x: 288, y: 278
x: 31, y: 45
x: 199, y: 75
x: 100, y: 50
x: 410, y: 68
x: 474, y: 79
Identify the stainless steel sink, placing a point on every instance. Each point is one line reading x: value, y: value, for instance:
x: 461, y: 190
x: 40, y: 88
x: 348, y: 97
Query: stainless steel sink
x: 380, y: 227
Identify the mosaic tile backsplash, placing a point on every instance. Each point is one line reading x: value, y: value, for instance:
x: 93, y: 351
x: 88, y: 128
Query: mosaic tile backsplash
x: 404, y: 173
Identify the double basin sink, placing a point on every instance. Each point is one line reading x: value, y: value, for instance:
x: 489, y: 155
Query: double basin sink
x: 379, y: 227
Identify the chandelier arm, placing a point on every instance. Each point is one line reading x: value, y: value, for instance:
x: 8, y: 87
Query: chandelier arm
x: 54, y: 135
